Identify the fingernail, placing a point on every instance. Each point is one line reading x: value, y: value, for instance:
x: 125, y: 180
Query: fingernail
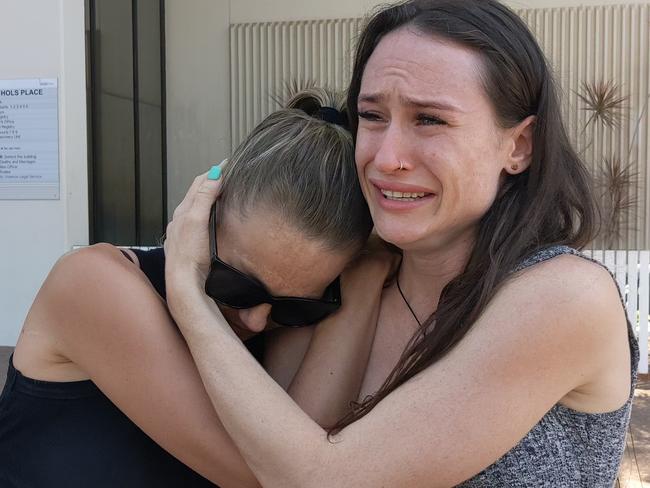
x: 214, y: 173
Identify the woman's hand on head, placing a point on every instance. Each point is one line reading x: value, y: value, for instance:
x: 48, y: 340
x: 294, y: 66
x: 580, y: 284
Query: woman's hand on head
x: 187, y: 248
x: 374, y: 268
x: 378, y: 259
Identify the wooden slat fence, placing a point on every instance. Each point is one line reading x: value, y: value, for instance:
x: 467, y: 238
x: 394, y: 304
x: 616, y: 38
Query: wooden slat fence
x: 632, y: 272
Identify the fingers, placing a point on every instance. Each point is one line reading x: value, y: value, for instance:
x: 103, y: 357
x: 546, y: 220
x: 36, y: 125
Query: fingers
x: 187, y: 229
x: 193, y: 213
x: 187, y: 201
x: 206, y: 194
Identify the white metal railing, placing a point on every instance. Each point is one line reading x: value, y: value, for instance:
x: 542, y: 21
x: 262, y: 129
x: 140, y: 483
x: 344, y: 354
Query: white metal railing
x: 632, y: 272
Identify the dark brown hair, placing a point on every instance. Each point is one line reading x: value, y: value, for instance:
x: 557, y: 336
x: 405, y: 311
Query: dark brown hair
x: 551, y: 203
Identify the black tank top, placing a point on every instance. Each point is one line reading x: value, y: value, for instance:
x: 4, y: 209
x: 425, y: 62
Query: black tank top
x: 70, y: 435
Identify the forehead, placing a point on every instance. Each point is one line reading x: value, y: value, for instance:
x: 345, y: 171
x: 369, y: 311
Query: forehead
x: 419, y: 66
x: 288, y: 263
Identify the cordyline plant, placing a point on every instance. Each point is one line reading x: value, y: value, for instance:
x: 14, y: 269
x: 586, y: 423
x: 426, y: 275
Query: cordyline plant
x: 615, y: 180
x: 602, y: 99
x: 616, y: 177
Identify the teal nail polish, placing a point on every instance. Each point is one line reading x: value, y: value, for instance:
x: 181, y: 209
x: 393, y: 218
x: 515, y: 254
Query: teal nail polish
x: 214, y: 173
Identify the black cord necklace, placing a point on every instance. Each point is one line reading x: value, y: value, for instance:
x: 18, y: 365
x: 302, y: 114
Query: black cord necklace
x: 399, y: 288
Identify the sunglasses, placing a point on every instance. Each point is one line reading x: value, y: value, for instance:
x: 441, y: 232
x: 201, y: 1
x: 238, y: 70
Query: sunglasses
x: 230, y: 287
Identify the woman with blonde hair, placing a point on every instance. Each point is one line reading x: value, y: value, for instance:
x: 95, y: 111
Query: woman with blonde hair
x: 100, y: 372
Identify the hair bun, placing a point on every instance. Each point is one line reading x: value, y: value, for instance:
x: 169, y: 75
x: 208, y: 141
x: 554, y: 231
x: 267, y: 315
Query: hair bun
x: 319, y: 102
x: 333, y: 116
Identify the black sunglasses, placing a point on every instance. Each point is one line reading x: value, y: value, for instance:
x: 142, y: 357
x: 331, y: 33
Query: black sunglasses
x: 230, y: 287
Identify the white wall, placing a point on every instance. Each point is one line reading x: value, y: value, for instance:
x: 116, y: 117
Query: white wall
x: 198, y: 90
x: 44, y: 39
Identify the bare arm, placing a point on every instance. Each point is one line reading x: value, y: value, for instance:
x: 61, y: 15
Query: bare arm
x: 477, y: 402
x: 103, y: 315
x: 329, y: 376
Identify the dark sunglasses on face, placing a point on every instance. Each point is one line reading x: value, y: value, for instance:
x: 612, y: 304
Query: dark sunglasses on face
x: 230, y: 287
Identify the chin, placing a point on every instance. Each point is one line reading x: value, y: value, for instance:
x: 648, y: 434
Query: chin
x: 411, y: 238
x: 399, y: 236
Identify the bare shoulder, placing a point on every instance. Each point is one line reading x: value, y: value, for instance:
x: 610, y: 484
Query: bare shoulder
x: 83, y: 289
x: 95, y: 276
x: 571, y: 297
x: 564, y: 313
x: 97, y: 268
x: 568, y: 283
x: 102, y: 257
x: 569, y: 309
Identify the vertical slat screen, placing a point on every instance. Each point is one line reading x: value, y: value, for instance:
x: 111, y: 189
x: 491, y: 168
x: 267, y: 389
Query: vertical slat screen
x: 265, y: 57
x: 584, y: 44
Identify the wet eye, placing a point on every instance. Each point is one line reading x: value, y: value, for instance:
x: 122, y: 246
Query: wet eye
x: 369, y: 116
x: 424, y: 119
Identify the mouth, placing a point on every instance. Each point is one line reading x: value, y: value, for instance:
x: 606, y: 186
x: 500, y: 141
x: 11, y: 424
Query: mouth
x: 403, y: 196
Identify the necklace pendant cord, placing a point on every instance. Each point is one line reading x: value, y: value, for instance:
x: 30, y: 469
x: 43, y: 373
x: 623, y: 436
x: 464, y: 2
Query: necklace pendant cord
x: 399, y: 288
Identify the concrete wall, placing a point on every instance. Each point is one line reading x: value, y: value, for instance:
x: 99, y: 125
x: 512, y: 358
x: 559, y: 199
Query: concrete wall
x: 44, y: 39
x: 198, y: 90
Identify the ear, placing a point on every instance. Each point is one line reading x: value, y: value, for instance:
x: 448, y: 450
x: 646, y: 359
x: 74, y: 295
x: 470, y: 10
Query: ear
x: 521, y: 146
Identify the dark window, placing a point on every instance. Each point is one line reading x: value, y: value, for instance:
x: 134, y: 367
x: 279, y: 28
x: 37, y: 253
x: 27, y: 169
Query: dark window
x: 127, y: 167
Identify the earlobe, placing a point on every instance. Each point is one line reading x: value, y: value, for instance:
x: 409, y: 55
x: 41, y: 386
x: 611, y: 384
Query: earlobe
x: 522, y: 146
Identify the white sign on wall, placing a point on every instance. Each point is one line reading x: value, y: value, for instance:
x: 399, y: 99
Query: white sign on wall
x: 29, y: 140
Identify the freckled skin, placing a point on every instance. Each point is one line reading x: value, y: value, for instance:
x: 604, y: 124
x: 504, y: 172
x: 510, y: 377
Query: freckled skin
x: 262, y: 245
x: 459, y: 158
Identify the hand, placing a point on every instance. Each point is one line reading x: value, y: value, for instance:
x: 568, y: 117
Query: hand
x: 380, y: 255
x: 378, y: 262
x: 187, y: 249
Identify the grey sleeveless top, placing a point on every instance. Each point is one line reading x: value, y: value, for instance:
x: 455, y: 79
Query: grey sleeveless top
x: 566, y: 448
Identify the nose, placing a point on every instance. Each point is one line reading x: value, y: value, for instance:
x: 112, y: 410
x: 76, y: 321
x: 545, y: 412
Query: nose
x: 391, y: 149
x: 255, y: 318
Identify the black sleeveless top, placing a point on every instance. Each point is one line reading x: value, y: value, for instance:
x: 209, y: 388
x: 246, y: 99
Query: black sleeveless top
x: 70, y: 435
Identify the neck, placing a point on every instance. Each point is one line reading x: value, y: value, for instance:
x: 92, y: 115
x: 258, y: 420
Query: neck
x: 424, y: 274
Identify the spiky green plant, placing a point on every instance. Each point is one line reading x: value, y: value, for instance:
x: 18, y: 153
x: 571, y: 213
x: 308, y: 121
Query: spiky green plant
x: 603, y: 101
x: 616, y: 180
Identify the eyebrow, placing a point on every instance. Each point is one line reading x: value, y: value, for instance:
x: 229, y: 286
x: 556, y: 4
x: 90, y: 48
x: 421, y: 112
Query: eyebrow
x: 412, y: 102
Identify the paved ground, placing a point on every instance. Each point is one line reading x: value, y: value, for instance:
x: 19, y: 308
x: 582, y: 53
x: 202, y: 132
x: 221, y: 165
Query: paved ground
x: 635, y: 469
